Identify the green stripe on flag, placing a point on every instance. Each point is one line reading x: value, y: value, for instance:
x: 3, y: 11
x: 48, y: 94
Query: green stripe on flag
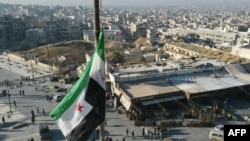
x: 100, y: 48
x: 80, y: 85
x: 73, y: 94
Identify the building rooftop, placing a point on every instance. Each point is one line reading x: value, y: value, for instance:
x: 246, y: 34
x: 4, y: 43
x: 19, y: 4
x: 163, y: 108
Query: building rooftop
x: 156, y: 84
x: 139, y: 89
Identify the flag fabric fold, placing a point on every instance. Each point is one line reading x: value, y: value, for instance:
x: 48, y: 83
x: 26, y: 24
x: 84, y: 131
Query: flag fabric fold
x: 83, y: 108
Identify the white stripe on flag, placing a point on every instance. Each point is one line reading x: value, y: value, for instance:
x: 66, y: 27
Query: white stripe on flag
x: 97, y: 66
x: 72, y: 117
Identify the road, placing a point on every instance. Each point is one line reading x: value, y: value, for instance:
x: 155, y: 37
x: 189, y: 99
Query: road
x: 116, y: 123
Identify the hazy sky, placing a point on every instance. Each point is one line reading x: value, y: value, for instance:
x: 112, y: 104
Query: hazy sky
x: 129, y: 2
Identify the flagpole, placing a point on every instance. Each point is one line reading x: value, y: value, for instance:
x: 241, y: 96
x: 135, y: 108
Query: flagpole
x: 97, y: 32
x: 97, y: 21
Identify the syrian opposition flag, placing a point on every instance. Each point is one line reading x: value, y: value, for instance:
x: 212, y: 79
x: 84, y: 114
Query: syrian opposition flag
x: 83, y: 108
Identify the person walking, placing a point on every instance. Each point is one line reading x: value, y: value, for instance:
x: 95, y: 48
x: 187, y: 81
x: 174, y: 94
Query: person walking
x: 37, y: 109
x: 33, y: 120
x: 32, y: 139
x: 47, y: 97
x: 32, y: 113
x: 23, y: 92
x: 133, y: 135
x: 43, y: 112
x: 127, y: 132
x: 3, y: 119
x: 20, y: 92
x: 14, y: 103
x: 143, y: 131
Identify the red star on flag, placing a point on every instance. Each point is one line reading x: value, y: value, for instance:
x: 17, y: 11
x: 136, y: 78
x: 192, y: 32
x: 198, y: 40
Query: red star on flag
x: 103, y: 78
x: 79, y: 107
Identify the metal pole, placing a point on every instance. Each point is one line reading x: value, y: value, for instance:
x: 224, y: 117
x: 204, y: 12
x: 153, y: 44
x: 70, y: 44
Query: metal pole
x: 9, y: 62
x: 97, y: 32
x: 31, y: 67
x: 97, y: 20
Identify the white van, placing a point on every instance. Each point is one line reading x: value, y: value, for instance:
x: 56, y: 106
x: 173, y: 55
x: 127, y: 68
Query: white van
x: 216, y: 135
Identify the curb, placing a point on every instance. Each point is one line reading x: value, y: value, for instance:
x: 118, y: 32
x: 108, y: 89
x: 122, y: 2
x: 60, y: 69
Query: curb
x: 19, y: 125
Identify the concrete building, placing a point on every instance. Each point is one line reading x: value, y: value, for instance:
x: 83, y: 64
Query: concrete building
x: 179, y: 52
x: 217, y: 36
x: 115, y: 34
x: 138, y: 29
x: 151, y: 36
x: 62, y: 29
x: 74, y: 32
x: 33, y: 34
x: 141, y: 87
x: 51, y: 29
x: 242, y: 50
x: 12, y: 30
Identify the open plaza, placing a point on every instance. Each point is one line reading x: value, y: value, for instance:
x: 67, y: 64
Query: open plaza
x: 18, y: 126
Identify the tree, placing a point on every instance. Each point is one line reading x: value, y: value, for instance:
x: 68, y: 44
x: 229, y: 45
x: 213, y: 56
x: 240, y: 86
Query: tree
x: 117, y: 57
x: 193, y: 58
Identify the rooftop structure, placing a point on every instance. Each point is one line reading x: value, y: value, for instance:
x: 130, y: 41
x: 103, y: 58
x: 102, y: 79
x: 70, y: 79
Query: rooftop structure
x: 157, y: 84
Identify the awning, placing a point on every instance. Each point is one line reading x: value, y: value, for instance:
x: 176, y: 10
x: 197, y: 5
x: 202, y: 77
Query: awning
x: 125, y: 102
x: 154, y: 101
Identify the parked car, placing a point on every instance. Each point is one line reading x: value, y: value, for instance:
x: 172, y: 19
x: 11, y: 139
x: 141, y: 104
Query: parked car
x: 216, y: 135
x: 44, y: 132
x: 219, y: 127
x: 58, y: 97
x: 61, y: 90
x: 54, y: 79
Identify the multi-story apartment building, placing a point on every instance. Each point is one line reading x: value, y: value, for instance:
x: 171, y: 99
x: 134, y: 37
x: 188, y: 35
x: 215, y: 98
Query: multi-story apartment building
x: 11, y: 30
x: 217, y: 36
x: 62, y: 29
x: 115, y: 34
x: 151, y: 35
x: 138, y: 29
x: 33, y: 34
x: 74, y: 32
x: 51, y: 30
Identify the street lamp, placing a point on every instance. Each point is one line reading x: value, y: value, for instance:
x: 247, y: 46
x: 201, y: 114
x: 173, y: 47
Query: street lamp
x: 7, y: 84
x: 31, y: 65
x: 9, y: 61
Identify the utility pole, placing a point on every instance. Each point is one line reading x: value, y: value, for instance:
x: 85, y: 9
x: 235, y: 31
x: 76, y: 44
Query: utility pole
x: 31, y: 68
x: 8, y: 92
x: 49, y: 59
x: 9, y: 61
x: 97, y: 21
x: 97, y: 32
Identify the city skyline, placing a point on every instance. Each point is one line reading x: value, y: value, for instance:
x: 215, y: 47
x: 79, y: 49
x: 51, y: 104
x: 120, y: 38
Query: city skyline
x: 142, y: 3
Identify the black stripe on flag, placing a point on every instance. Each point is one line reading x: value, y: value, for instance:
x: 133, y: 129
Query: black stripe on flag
x: 95, y: 96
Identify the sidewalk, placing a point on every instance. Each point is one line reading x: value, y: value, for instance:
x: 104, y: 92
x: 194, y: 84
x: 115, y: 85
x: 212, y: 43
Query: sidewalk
x: 10, y: 119
x: 116, y: 127
x: 29, y: 68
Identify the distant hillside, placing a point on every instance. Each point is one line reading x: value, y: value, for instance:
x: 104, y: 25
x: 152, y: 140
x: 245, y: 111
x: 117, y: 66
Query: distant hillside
x: 73, y: 51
